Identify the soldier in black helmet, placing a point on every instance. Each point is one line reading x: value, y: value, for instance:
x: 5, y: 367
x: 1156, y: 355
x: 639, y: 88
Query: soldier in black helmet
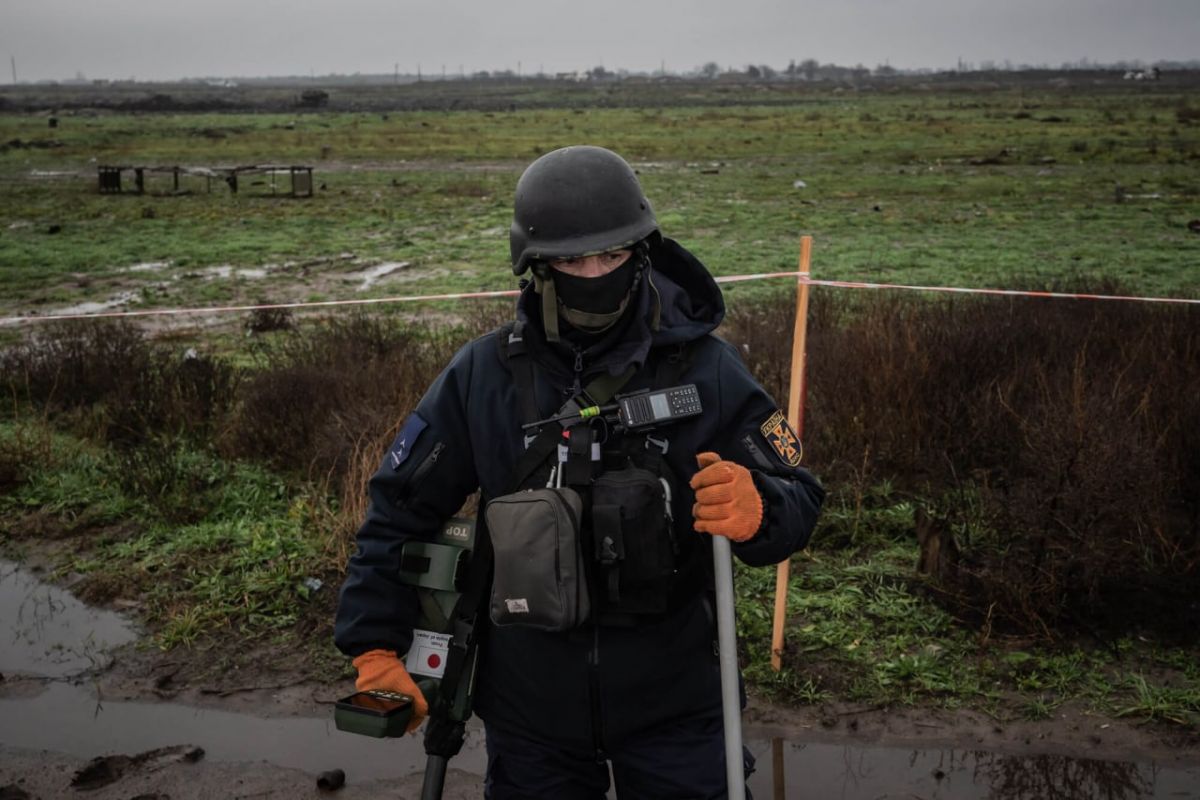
x: 599, y: 650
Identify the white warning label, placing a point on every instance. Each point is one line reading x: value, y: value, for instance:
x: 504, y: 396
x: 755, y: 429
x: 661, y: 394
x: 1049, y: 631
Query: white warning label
x: 427, y: 656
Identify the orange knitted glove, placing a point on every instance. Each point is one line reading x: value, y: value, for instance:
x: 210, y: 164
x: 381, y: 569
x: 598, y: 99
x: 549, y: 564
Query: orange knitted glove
x: 381, y: 669
x: 727, y: 502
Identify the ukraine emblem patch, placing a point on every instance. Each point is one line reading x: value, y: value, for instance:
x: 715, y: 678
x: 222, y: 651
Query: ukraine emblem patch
x: 783, y: 439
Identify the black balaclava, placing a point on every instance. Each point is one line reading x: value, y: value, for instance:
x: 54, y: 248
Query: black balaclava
x: 592, y: 305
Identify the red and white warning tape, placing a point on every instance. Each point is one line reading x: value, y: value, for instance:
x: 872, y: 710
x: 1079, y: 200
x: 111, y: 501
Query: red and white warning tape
x: 804, y: 277
x: 424, y: 298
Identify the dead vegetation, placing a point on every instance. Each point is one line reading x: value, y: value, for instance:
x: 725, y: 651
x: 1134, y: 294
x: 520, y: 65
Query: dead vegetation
x: 1052, y: 447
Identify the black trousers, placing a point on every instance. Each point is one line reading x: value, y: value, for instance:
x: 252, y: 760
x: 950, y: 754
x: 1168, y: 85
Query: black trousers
x: 685, y: 761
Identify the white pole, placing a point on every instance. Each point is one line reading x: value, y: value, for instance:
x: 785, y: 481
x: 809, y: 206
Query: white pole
x: 731, y: 706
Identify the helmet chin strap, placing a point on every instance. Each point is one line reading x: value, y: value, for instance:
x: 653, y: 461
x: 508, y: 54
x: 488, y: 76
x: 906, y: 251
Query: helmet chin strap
x: 544, y: 286
x: 655, y: 299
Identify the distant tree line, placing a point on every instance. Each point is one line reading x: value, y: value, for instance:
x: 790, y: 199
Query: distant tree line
x: 812, y: 70
x: 806, y: 69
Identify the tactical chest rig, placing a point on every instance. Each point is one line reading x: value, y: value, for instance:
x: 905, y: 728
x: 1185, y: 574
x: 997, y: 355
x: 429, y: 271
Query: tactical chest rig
x: 587, y: 533
x: 603, y: 533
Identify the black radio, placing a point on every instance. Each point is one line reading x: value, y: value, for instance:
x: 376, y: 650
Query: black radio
x: 646, y: 408
x: 641, y: 409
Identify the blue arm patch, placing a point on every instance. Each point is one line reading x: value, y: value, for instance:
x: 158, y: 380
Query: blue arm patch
x: 398, y: 453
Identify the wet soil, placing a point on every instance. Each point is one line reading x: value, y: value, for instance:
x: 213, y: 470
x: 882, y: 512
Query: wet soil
x: 803, y: 753
x: 43, y: 774
x: 228, y: 719
x: 232, y: 707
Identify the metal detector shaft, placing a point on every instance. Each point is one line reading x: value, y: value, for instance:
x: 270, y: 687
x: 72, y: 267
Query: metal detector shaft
x: 435, y: 778
x: 731, y: 706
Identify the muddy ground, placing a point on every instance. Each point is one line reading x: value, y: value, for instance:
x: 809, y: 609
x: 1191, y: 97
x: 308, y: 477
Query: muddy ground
x: 229, y: 674
x: 147, y: 675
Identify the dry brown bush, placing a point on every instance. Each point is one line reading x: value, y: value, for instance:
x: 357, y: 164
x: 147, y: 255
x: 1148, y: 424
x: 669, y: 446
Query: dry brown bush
x: 116, y: 383
x: 1054, y: 445
x: 325, y: 400
x: 315, y: 393
x: 1071, y: 425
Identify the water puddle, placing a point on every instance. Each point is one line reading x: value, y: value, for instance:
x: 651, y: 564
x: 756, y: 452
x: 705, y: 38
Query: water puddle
x: 369, y: 277
x: 70, y: 719
x: 48, y: 632
x: 148, y: 266
x: 92, y: 307
x: 825, y: 771
x: 225, y: 272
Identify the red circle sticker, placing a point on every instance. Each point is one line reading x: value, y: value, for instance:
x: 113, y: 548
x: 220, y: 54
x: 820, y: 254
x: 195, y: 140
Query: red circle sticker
x: 434, y: 661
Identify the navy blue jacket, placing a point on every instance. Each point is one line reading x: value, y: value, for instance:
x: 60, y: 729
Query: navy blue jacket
x: 591, y: 688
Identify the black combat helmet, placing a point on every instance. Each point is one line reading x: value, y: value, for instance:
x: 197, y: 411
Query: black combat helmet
x: 577, y: 201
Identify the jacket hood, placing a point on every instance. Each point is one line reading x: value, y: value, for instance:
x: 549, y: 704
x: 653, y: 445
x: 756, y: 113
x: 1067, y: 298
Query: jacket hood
x: 690, y: 307
x: 691, y: 301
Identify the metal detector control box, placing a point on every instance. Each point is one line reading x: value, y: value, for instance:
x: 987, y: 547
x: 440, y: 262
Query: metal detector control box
x: 436, y: 569
x: 376, y: 713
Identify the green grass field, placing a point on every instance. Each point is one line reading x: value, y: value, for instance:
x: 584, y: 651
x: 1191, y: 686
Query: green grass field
x: 1003, y: 188
x: 1020, y: 188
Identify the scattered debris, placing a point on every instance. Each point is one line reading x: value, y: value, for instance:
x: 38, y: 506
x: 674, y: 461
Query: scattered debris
x: 998, y: 158
x: 36, y: 144
x: 301, y: 180
x: 331, y: 780
x: 313, y: 98
x: 1152, y: 74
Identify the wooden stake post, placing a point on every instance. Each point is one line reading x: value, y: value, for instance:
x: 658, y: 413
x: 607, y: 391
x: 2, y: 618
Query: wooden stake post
x: 796, y: 389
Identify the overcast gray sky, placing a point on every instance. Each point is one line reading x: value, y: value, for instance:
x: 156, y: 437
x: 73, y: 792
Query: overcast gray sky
x: 150, y: 39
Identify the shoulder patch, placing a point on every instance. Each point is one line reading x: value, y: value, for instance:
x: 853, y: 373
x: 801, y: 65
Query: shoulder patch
x: 782, y: 438
x: 398, y: 453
